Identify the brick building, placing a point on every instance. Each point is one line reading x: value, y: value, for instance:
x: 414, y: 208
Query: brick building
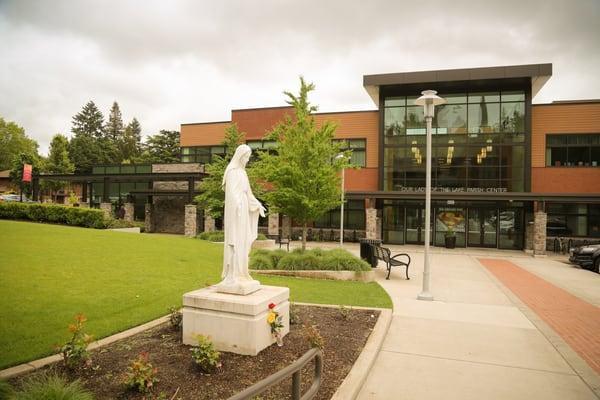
x: 506, y: 173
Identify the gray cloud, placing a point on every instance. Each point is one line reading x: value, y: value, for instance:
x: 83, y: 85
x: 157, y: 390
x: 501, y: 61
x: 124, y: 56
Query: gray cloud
x: 173, y: 62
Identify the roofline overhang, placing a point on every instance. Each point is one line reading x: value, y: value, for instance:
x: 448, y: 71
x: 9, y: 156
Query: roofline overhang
x: 479, y: 196
x: 538, y: 73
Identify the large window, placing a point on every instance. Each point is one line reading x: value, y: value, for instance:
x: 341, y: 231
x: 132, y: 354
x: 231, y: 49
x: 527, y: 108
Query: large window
x: 478, y: 142
x: 581, y: 150
x: 201, y: 154
x: 122, y: 169
x: 359, y: 150
x: 354, y: 217
x: 573, y: 220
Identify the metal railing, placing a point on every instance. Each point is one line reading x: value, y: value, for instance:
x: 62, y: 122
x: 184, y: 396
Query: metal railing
x: 294, y: 370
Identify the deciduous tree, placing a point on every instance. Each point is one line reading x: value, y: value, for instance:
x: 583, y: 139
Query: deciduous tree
x: 13, y: 141
x: 212, y: 198
x: 303, y: 171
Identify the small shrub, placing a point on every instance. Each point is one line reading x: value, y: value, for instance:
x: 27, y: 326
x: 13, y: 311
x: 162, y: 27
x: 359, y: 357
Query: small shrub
x: 175, y: 317
x: 75, y: 351
x: 58, y: 214
x: 313, y: 337
x: 276, y: 256
x: 51, y: 387
x: 215, y: 236
x: 261, y: 236
x: 342, y: 260
x: 345, y: 312
x: 315, y: 259
x: 205, y: 356
x: 261, y: 262
x: 294, y: 314
x: 141, y: 374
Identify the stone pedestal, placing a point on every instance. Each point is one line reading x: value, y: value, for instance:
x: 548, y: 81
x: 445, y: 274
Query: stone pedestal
x: 148, y: 227
x: 274, y: 224
x: 107, y: 209
x: 191, y: 220
x: 234, y: 323
x: 371, y: 223
x: 209, y: 223
x: 539, y: 233
x: 129, y: 209
x: 286, y: 227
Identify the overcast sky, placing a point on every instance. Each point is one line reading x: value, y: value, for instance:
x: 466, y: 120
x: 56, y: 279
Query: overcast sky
x: 173, y: 62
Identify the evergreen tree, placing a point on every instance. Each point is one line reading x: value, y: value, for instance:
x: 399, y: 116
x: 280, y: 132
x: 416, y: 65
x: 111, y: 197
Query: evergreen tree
x: 303, y: 171
x: 58, y: 162
x: 163, y: 147
x: 131, y: 145
x: 89, y: 146
x: 14, y: 141
x: 89, y: 122
x: 212, y: 198
x: 113, y: 131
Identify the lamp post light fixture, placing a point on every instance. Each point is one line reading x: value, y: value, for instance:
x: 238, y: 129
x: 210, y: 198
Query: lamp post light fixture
x: 428, y: 100
x: 342, y: 157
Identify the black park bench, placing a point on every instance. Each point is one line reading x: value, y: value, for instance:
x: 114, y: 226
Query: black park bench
x: 384, y: 254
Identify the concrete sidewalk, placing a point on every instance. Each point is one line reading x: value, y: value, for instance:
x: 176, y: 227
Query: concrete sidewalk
x: 473, y: 341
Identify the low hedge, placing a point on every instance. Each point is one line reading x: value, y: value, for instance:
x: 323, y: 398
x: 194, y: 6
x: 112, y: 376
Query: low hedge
x: 308, y: 260
x: 74, y: 216
x: 219, y: 236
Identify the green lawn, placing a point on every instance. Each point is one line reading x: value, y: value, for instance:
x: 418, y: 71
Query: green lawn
x: 49, y: 273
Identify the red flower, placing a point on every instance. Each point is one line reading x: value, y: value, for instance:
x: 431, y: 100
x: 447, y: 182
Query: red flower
x: 271, y: 306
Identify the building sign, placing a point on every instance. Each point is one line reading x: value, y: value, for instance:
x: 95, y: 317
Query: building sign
x: 441, y: 189
x: 27, y: 172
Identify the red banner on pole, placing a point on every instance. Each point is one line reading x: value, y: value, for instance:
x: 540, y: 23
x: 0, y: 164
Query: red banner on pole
x: 27, y: 172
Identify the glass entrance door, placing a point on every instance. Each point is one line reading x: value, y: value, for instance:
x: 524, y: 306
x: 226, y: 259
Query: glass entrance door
x: 483, y: 227
x: 415, y: 225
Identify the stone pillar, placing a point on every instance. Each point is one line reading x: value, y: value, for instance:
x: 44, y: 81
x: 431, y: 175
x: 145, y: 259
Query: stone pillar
x: 148, y: 226
x: 274, y: 224
x: 191, y: 220
x: 371, y: 225
x: 529, y: 237
x: 129, y: 209
x: 539, y: 234
x: 107, y: 208
x: 286, y: 226
x: 209, y: 223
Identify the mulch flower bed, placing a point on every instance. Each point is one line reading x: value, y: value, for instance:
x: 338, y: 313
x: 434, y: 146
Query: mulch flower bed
x: 344, y: 332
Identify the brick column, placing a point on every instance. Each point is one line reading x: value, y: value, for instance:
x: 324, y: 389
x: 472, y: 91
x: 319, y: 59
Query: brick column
x: 273, y: 224
x: 191, y: 220
x: 107, y: 208
x: 148, y: 226
x: 539, y: 233
x: 371, y: 223
x: 209, y: 223
x: 286, y: 226
x: 129, y: 208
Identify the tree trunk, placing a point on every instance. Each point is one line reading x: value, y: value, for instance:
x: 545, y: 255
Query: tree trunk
x: 304, y: 237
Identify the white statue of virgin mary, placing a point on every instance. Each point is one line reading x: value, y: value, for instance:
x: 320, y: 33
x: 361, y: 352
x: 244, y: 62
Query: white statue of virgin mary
x: 240, y: 223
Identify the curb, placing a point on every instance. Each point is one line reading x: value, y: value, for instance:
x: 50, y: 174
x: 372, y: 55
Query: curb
x: 353, y: 383
x: 42, y: 362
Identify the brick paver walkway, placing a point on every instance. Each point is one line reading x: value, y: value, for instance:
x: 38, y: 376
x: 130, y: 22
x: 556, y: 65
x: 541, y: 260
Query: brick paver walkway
x: 576, y: 321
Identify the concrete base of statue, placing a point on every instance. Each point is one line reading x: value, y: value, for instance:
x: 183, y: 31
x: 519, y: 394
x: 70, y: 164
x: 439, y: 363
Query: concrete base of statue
x: 241, y: 288
x: 234, y: 323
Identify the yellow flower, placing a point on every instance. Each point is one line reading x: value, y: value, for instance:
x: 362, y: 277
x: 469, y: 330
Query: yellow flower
x: 271, y: 317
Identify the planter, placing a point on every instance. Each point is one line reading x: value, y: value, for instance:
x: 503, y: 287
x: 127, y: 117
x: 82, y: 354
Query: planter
x: 362, y: 276
x: 264, y: 244
x: 450, y: 242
